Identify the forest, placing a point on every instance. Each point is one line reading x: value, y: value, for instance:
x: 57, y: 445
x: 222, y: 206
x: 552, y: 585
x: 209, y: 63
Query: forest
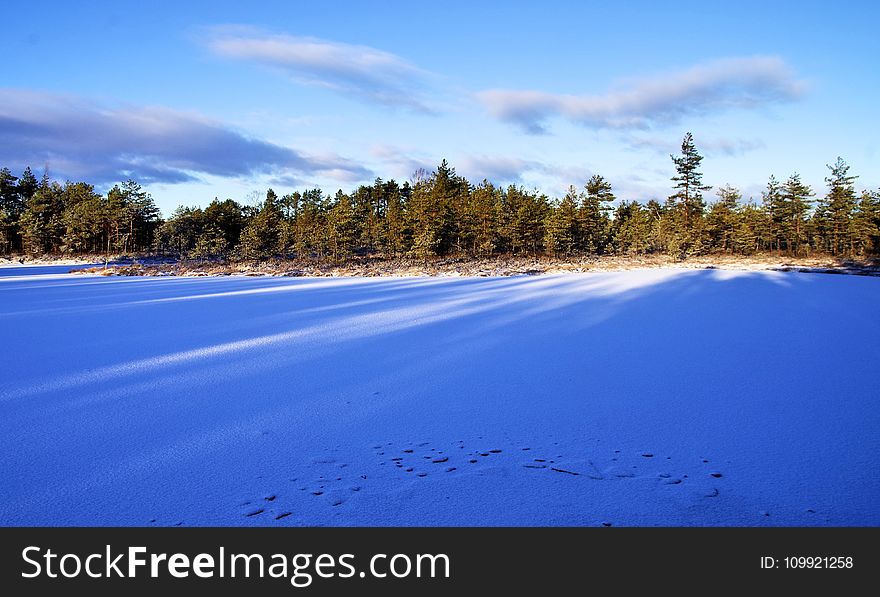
x: 442, y: 214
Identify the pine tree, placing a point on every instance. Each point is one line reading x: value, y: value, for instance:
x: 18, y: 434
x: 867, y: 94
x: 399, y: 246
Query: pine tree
x: 365, y: 203
x: 309, y: 237
x: 42, y: 224
x: 754, y: 230
x: 631, y: 228
x: 397, y: 234
x: 835, y: 210
x: 260, y: 237
x: 523, y: 214
x: 432, y: 212
x: 140, y: 216
x: 27, y: 185
x: 341, y: 229
x: 723, y: 219
x: 562, y: 229
x: 689, y: 180
x: 83, y: 218
x: 866, y: 223
x: 796, y: 196
x: 425, y: 218
x: 594, y: 210
x: 11, y: 207
x: 180, y: 234
x: 483, y: 219
x: 779, y: 211
x: 223, y: 223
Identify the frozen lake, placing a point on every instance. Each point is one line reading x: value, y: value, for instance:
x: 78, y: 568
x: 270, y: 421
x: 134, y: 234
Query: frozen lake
x: 656, y: 397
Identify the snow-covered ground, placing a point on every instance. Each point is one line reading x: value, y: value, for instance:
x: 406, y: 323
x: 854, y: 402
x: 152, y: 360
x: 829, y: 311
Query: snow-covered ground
x: 657, y: 397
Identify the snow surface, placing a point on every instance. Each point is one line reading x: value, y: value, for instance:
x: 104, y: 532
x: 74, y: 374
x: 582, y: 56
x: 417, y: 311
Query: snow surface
x: 656, y: 397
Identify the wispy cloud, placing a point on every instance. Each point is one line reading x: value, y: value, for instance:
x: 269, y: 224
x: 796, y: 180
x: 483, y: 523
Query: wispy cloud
x: 370, y: 74
x: 402, y: 163
x: 747, y: 82
x: 498, y: 169
x: 732, y: 147
x: 80, y: 139
x: 709, y: 147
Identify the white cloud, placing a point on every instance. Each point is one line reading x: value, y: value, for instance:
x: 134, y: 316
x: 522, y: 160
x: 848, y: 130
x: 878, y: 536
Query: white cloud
x: 708, y: 147
x: 714, y: 86
x: 354, y: 70
x: 497, y: 169
x: 81, y: 139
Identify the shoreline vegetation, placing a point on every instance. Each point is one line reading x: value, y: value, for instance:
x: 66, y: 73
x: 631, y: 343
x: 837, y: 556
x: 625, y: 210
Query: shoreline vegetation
x: 441, y: 223
x: 443, y: 267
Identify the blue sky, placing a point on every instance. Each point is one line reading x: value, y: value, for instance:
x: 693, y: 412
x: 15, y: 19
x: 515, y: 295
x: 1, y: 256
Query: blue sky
x: 227, y: 98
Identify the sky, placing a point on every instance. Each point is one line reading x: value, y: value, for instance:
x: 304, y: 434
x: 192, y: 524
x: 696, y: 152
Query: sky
x: 198, y: 100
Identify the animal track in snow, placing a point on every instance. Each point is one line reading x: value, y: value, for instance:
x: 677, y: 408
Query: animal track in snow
x: 409, y: 462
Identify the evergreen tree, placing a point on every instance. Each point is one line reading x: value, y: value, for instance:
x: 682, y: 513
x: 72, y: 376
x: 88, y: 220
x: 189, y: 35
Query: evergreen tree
x: 562, y: 229
x: 259, y: 239
x: 866, y: 224
x: 139, y: 217
x: 366, y: 211
x: 83, y: 218
x: 309, y: 225
x: 631, y: 228
x: 779, y: 210
x: 754, y: 231
x: 341, y: 229
x: 180, y: 234
x: 222, y: 223
x: 835, y: 210
x: 523, y: 214
x: 689, y: 197
x: 432, y: 212
x: 478, y: 231
x: 397, y: 235
x: 723, y: 219
x: 27, y: 186
x: 11, y: 207
x: 594, y: 209
x: 42, y: 224
x: 655, y: 213
x: 796, y: 196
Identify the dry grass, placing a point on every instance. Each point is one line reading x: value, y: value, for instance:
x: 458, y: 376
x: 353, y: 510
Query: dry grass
x: 501, y: 266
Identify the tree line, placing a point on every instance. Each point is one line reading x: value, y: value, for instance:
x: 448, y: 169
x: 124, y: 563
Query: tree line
x: 46, y: 217
x: 443, y: 214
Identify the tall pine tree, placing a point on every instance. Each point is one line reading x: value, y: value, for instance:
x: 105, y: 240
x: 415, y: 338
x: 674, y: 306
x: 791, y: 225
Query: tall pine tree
x: 835, y: 210
x: 688, y: 199
x: 594, y: 210
x: 796, y: 196
x: 689, y: 181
